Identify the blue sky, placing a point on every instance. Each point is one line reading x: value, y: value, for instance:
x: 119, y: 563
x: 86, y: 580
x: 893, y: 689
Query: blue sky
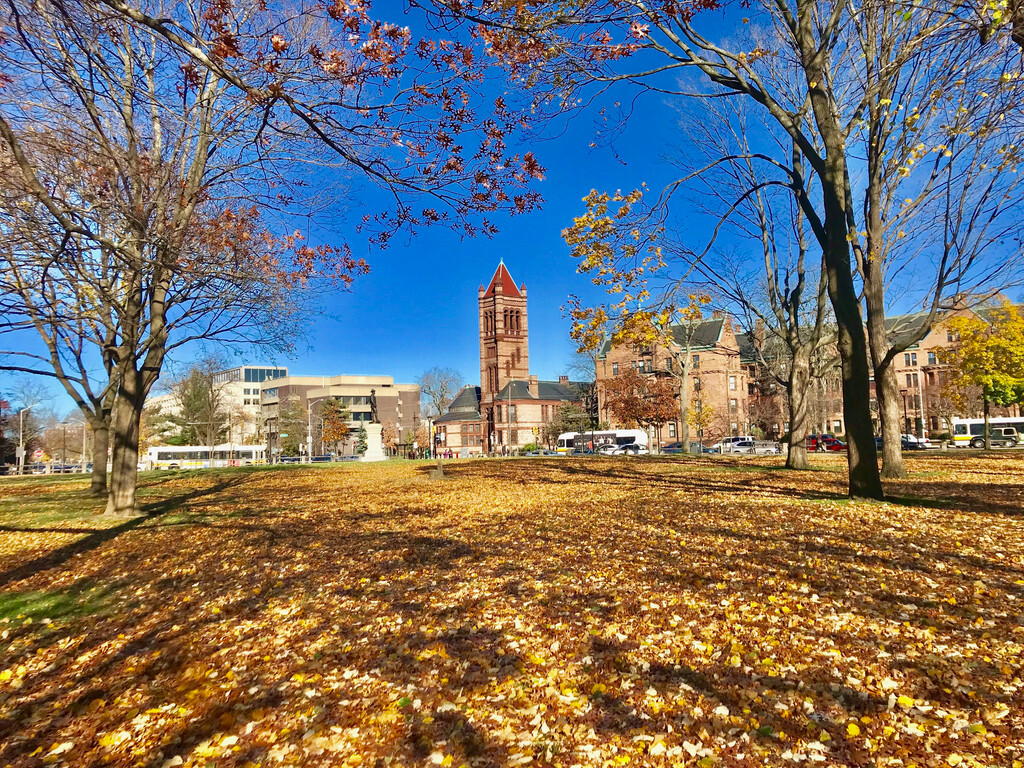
x: 418, y: 306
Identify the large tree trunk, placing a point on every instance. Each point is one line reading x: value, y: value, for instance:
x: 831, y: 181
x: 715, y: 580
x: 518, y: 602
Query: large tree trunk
x: 124, y: 469
x: 887, y: 392
x: 101, y: 444
x: 864, y: 479
x: 799, y: 380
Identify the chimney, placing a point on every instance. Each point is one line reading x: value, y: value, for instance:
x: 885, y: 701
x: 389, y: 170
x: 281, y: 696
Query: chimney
x: 534, y: 389
x: 717, y: 315
x: 564, y: 380
x: 759, y: 334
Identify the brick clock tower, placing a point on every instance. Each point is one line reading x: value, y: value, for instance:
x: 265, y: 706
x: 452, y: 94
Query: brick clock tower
x: 504, y: 346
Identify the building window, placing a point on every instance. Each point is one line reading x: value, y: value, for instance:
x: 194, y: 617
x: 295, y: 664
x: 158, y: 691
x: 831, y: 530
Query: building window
x: 733, y: 407
x: 615, y: 369
x: 732, y: 383
x: 668, y: 364
x: 544, y: 413
x: 671, y: 429
x: 837, y: 427
x: 696, y: 383
x: 696, y: 362
x: 932, y: 359
x: 246, y: 392
x: 512, y: 413
x: 915, y: 380
x: 908, y: 380
x: 950, y: 336
x: 497, y: 413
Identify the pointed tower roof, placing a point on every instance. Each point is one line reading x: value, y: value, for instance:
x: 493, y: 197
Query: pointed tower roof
x: 508, y: 285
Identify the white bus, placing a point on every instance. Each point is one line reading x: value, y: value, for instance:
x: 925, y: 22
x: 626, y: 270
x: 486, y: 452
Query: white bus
x: 564, y: 444
x: 198, y: 456
x: 569, y: 441
x: 964, y: 430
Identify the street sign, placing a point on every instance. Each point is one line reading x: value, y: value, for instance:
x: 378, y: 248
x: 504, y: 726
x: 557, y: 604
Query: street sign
x: 283, y: 434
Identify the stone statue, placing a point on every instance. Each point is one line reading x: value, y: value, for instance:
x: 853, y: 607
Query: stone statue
x: 374, y: 416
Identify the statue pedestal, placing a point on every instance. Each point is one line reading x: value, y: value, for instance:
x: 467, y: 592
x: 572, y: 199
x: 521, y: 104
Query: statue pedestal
x: 374, y: 443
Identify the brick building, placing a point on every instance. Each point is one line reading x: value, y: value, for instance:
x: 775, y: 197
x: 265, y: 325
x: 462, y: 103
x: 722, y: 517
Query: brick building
x: 511, y: 406
x: 720, y: 379
x: 921, y: 375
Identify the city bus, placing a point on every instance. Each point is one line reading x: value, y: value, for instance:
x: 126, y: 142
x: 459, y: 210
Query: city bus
x: 198, y: 456
x: 965, y: 429
x: 564, y: 444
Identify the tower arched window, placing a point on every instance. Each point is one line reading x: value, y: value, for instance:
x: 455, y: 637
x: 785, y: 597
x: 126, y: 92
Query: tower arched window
x: 508, y: 368
x: 519, y: 322
x: 504, y: 327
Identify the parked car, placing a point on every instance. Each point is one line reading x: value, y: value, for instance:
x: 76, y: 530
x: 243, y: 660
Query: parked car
x: 319, y: 459
x: 916, y: 443
x: 606, y: 450
x: 632, y: 449
x: 742, y: 446
x: 290, y: 459
x: 814, y: 440
x: 542, y: 452
x: 673, y: 448
x: 831, y: 444
x: 583, y: 452
x: 767, y: 447
x: 701, y: 448
x: 726, y: 444
x: 999, y: 437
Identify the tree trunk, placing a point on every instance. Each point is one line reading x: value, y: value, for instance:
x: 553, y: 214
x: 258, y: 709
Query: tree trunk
x: 124, y: 468
x: 887, y: 392
x: 101, y: 442
x: 684, y: 409
x: 799, y: 380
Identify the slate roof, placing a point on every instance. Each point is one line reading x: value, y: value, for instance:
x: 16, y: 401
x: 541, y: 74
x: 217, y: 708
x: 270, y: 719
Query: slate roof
x: 901, y: 328
x: 748, y: 351
x: 703, y: 335
x: 508, y: 285
x: 467, y: 400
x: 459, y: 416
x: 546, y: 390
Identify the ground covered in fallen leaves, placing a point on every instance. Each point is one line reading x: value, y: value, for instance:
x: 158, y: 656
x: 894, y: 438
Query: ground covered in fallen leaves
x: 601, y: 612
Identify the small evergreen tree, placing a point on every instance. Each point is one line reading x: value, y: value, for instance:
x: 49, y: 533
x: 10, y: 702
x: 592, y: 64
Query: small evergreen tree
x: 361, y: 440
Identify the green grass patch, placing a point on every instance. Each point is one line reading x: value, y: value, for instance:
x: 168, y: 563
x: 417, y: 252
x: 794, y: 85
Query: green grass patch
x: 81, y: 600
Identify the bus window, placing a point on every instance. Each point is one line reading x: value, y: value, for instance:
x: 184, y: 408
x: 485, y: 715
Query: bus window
x: 959, y: 429
x: 977, y: 429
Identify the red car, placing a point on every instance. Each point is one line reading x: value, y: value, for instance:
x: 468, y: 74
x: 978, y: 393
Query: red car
x: 814, y: 440
x: 831, y: 444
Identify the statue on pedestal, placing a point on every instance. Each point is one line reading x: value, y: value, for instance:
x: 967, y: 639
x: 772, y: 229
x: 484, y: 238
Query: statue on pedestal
x: 374, y: 415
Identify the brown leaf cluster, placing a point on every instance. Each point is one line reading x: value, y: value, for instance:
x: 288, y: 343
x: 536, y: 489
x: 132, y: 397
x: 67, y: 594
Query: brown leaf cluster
x: 559, y: 612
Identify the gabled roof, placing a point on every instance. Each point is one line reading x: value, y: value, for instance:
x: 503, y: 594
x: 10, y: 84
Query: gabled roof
x: 903, y: 328
x: 546, y: 390
x: 459, y: 416
x: 703, y: 335
x: 467, y: 400
x: 508, y: 285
